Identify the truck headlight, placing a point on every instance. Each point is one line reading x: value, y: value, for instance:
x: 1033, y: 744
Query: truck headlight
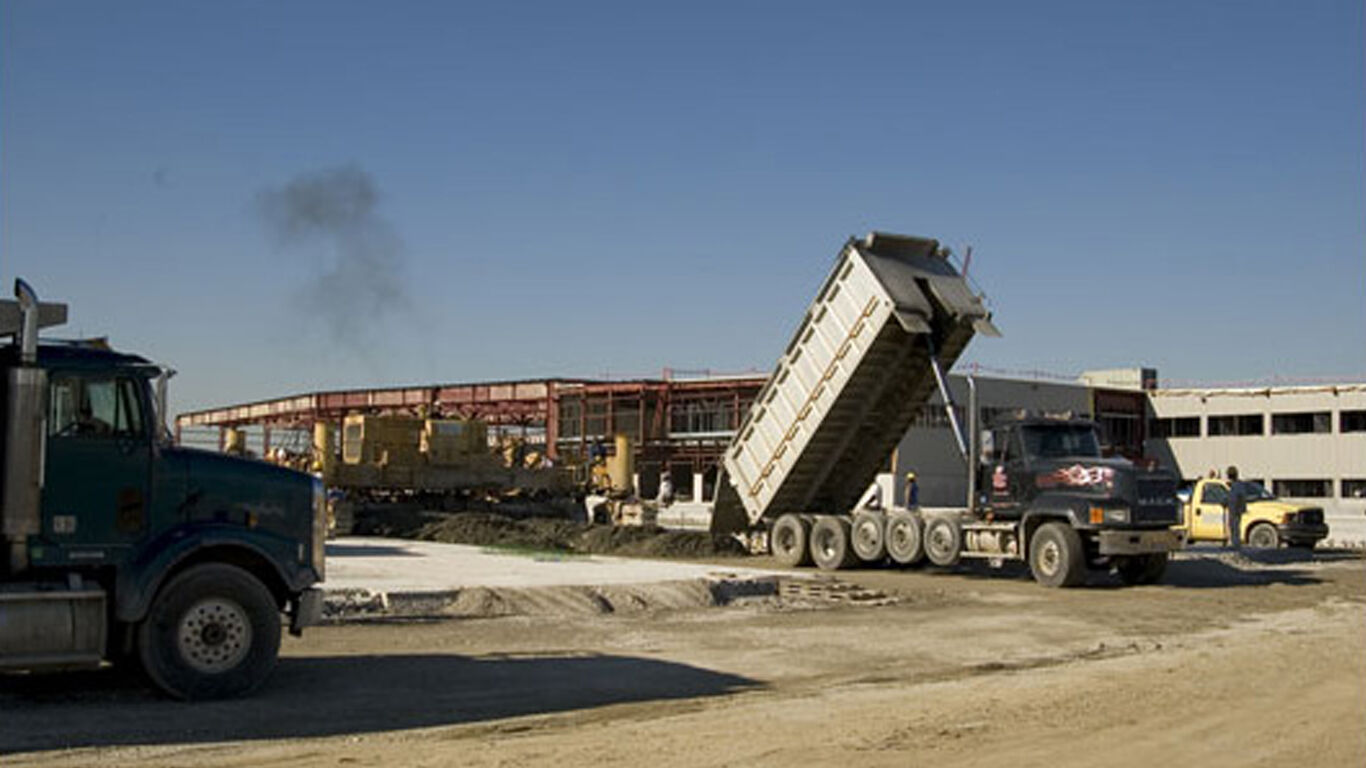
x: 1117, y: 515
x: 319, y: 527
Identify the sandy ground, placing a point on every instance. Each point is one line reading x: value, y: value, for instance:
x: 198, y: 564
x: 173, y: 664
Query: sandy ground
x: 1229, y: 663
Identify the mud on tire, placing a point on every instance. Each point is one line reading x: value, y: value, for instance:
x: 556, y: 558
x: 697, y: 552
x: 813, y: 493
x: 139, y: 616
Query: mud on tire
x: 831, y: 549
x: 1056, y: 556
x: 905, y: 538
x: 789, y: 541
x: 868, y: 534
x: 212, y: 632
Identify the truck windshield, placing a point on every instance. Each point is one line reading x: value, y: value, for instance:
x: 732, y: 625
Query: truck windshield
x: 1057, y: 442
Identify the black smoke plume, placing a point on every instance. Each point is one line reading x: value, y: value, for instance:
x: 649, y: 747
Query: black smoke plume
x: 363, y: 282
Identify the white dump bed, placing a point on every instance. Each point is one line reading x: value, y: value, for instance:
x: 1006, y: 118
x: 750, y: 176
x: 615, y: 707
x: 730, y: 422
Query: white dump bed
x: 850, y: 381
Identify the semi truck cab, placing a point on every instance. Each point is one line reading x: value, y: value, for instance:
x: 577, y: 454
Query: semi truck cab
x: 120, y: 546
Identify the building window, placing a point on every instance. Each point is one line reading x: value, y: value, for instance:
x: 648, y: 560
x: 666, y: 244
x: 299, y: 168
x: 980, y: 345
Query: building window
x: 1353, y: 421
x: 1316, y: 422
x: 1354, y: 489
x: 1245, y: 424
x: 1303, y: 489
x: 1182, y: 426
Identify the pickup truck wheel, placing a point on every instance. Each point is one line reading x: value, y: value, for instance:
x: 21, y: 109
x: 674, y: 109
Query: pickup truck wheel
x: 830, y: 546
x: 1142, y: 569
x: 943, y: 541
x: 1263, y: 536
x: 905, y: 539
x: 868, y: 533
x: 789, y: 541
x: 211, y: 633
x: 1056, y: 557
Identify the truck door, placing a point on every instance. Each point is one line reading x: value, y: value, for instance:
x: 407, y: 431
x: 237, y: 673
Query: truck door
x: 1210, y: 506
x: 98, y: 466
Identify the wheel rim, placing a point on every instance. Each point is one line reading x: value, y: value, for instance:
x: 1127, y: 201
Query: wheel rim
x: 940, y: 542
x: 214, y: 635
x: 1262, y: 538
x: 787, y: 540
x: 826, y: 546
x: 1050, y: 557
x: 866, y: 535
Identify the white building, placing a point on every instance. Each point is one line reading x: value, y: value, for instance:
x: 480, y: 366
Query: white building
x: 1305, y: 443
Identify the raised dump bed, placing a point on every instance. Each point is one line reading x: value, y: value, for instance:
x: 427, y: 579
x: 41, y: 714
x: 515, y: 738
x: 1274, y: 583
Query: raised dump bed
x: 849, y: 383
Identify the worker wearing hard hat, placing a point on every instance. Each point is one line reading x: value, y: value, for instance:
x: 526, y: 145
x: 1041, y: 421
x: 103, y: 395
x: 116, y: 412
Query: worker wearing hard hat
x: 912, y: 491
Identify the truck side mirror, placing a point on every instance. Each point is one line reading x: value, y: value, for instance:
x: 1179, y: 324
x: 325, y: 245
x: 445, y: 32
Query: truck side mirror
x: 987, y: 454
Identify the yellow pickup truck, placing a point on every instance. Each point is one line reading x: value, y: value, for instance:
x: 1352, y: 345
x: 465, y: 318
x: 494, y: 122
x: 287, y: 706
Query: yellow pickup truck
x: 1268, y: 522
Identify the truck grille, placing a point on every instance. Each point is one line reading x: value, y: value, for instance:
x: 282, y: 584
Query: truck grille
x: 1156, y: 502
x: 1311, y: 516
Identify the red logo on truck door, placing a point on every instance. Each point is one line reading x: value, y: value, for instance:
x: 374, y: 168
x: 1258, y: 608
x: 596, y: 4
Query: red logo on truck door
x: 1000, y: 484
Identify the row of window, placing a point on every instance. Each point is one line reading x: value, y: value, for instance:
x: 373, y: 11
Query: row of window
x: 1303, y: 423
x: 1301, y: 489
x: 1319, y: 489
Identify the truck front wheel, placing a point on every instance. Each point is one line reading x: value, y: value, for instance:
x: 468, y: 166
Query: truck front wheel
x: 1056, y: 557
x: 212, y: 632
x: 1263, y: 536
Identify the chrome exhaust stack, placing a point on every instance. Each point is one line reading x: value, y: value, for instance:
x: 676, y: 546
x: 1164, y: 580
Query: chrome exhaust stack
x: 25, y: 423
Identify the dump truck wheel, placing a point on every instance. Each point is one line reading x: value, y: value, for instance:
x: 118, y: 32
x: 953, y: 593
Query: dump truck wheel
x: 1263, y: 536
x: 905, y: 538
x: 868, y: 533
x: 1056, y: 557
x: 943, y: 541
x: 1142, y: 569
x: 212, y: 632
x: 789, y: 541
x: 830, y: 546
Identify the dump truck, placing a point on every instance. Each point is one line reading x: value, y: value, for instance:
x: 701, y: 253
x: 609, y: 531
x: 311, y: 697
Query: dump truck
x: 892, y: 317
x: 121, y: 547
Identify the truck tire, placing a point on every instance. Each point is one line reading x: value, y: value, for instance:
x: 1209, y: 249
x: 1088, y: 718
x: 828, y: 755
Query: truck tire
x: 1142, y: 569
x: 830, y: 546
x: 1056, y: 557
x: 213, y: 632
x: 943, y: 541
x: 868, y: 535
x: 1263, y: 536
x: 788, y: 541
x: 905, y: 538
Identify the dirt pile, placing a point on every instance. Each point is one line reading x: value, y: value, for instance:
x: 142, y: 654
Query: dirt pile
x: 543, y: 534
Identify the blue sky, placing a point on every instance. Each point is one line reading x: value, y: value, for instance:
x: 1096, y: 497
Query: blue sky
x: 612, y: 188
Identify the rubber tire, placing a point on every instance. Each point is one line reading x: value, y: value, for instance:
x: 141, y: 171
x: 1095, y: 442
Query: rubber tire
x: 1062, y: 540
x: 1142, y: 569
x: 943, y: 541
x: 868, y: 536
x: 905, y: 538
x: 788, y: 541
x: 1270, y: 537
x: 159, y: 651
x: 831, y: 548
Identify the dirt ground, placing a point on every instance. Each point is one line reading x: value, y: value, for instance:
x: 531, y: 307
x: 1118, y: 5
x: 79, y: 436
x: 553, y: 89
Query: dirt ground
x: 1228, y: 663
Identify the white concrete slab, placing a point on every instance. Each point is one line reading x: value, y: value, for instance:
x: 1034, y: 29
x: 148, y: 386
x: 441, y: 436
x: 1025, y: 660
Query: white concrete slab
x: 397, y: 565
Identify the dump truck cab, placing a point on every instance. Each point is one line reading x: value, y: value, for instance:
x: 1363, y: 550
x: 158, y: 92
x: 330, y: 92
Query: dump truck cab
x: 1054, y: 466
x: 121, y: 545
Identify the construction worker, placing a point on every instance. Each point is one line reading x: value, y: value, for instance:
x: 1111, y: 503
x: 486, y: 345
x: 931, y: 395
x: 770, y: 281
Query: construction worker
x: 1237, y: 505
x: 912, y: 490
